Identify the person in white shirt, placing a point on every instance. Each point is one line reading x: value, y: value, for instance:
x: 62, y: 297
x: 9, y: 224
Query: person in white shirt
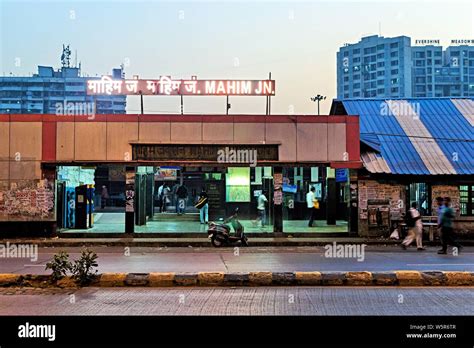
x: 310, y: 200
x: 262, y: 216
x: 415, y: 229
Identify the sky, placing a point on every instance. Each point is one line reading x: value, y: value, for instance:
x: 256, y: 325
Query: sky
x: 296, y: 41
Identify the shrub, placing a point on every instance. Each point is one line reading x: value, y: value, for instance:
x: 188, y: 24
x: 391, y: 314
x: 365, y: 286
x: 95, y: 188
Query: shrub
x: 83, y: 270
x: 60, y: 265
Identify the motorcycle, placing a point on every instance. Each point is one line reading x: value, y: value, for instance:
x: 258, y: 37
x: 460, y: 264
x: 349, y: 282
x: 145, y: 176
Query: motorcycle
x: 220, y: 233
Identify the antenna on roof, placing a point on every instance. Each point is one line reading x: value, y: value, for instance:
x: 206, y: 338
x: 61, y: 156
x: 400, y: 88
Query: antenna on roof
x: 66, y: 57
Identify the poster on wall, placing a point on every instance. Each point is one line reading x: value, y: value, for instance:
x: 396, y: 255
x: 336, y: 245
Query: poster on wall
x: 237, y: 194
x: 129, y: 191
x: 277, y: 180
x: 163, y: 174
x: 129, y: 201
x: 277, y: 197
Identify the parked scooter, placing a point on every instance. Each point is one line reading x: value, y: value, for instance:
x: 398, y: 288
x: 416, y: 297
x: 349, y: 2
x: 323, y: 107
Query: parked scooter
x: 220, y: 233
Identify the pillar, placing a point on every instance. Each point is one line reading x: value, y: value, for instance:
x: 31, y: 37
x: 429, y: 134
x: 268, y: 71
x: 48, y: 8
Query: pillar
x: 129, y: 200
x: 278, y: 200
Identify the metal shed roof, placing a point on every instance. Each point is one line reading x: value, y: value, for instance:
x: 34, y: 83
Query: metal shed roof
x: 424, y: 136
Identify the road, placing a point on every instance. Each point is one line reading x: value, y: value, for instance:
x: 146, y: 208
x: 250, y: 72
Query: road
x: 239, y: 301
x: 276, y: 259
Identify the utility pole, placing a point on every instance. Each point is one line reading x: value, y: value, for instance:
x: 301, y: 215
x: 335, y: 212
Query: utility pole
x: 228, y: 106
x: 318, y: 98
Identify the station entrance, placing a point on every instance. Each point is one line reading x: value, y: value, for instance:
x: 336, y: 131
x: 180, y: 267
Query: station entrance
x: 93, y: 199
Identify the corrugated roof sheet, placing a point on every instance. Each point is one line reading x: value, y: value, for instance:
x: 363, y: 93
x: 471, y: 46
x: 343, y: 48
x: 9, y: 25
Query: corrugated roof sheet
x: 440, y: 137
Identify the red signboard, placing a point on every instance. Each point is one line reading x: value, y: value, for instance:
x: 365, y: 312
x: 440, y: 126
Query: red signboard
x: 166, y: 86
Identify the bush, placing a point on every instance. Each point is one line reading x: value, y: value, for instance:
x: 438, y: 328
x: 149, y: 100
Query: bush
x: 83, y: 270
x: 60, y: 265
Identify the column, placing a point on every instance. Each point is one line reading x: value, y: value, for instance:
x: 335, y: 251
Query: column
x: 278, y: 201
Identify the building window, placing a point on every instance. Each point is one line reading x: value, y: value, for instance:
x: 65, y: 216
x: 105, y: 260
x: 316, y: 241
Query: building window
x: 356, y: 51
x: 394, y: 54
x: 356, y: 60
x: 394, y: 62
x: 369, y: 50
x: 394, y: 45
x: 346, y: 53
x: 466, y: 200
x: 394, y: 72
x: 357, y: 77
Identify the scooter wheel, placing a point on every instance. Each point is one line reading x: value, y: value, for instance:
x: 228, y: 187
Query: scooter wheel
x: 216, y: 243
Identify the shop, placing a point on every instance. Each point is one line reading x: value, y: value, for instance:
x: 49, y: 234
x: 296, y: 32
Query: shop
x: 413, y: 151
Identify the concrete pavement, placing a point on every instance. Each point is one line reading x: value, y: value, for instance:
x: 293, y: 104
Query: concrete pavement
x: 270, y: 259
x: 239, y: 301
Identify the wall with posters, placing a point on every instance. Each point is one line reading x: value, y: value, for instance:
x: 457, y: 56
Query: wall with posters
x: 387, y: 198
x: 25, y: 200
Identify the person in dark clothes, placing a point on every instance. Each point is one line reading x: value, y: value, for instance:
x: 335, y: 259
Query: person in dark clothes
x: 447, y: 232
x: 182, y: 194
x: 204, y: 210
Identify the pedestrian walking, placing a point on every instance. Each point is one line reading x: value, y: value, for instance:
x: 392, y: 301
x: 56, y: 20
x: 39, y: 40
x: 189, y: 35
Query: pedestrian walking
x: 312, y: 204
x: 159, y: 197
x: 415, y: 228
x: 203, y: 206
x: 447, y: 232
x: 261, y: 209
x: 182, y: 195
x: 104, y: 195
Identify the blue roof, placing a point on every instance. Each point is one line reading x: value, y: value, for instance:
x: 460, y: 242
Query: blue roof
x: 421, y: 136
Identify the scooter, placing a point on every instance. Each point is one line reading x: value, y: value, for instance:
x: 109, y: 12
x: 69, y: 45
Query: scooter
x: 220, y: 233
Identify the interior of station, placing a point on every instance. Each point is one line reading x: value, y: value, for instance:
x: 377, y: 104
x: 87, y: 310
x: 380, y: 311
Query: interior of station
x: 92, y: 199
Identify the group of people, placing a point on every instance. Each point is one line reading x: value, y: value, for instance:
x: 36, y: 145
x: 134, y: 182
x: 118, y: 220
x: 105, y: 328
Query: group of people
x: 164, y: 196
x: 445, y: 226
x: 180, y: 192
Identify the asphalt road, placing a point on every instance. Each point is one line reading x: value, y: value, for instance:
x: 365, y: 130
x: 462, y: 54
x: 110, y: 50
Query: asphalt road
x: 276, y: 259
x: 239, y: 301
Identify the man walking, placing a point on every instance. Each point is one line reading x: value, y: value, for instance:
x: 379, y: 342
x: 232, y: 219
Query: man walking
x: 261, y: 209
x: 104, y: 195
x: 203, y: 206
x: 415, y: 228
x: 311, y: 201
x: 447, y: 233
x: 182, y: 194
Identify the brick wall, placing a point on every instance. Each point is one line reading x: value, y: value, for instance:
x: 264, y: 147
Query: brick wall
x: 371, y: 190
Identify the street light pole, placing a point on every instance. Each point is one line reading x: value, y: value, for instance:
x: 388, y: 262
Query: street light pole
x: 318, y: 98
